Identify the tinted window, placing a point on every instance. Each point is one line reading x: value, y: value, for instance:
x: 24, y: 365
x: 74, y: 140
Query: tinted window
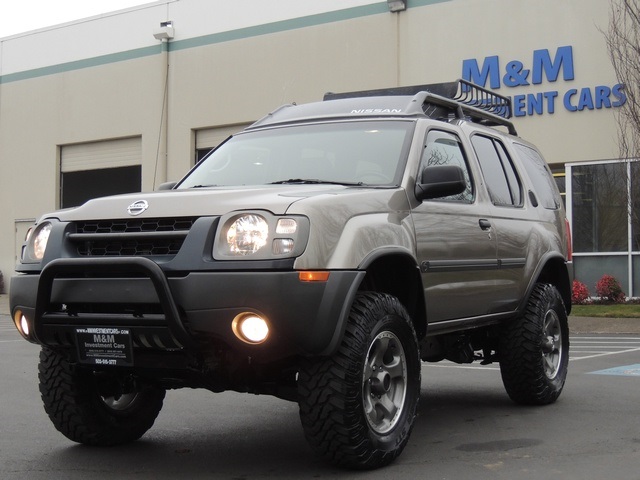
x: 540, y: 175
x: 497, y: 169
x: 443, y: 148
x: 512, y: 177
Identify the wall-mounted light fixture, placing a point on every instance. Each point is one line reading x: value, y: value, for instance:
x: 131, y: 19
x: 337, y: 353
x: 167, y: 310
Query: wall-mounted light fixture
x: 397, y: 5
x: 165, y: 32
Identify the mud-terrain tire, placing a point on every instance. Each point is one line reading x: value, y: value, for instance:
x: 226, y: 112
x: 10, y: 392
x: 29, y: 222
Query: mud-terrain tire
x: 534, y: 349
x: 358, y: 407
x: 72, y: 400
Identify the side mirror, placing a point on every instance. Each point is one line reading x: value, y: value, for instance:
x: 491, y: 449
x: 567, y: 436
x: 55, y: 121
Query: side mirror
x: 440, y: 181
x: 167, y: 186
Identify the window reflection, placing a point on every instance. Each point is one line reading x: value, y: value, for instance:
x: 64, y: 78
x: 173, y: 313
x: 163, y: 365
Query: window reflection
x: 363, y: 152
x: 443, y: 148
x: 599, y: 201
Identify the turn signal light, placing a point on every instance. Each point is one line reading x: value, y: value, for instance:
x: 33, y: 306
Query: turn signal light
x: 313, y: 276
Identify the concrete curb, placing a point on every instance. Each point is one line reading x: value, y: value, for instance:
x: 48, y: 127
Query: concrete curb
x: 576, y: 324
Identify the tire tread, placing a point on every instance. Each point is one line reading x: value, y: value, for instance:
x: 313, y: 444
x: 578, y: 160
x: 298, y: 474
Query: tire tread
x: 73, y: 405
x: 330, y: 406
x: 520, y: 351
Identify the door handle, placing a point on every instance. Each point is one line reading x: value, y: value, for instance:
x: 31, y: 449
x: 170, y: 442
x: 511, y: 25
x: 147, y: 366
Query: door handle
x: 484, y: 224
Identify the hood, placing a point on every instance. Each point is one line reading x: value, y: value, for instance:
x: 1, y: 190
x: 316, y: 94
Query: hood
x: 200, y: 202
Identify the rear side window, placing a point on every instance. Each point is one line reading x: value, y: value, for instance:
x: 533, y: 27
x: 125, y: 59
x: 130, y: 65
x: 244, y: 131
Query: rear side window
x: 500, y: 176
x: 543, y: 183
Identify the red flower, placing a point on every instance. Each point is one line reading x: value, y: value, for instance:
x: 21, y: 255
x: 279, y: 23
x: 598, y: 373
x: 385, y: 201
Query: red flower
x: 609, y: 289
x: 579, y: 293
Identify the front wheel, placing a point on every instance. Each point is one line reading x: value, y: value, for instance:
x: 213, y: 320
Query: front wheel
x: 357, y: 407
x: 534, y: 349
x: 94, y: 410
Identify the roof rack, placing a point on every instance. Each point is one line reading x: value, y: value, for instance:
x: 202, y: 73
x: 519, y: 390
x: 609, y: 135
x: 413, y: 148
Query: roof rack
x: 448, y: 89
x: 462, y: 99
x: 476, y: 96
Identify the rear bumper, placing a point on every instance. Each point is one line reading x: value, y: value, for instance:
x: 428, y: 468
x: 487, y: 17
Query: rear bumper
x: 190, y: 312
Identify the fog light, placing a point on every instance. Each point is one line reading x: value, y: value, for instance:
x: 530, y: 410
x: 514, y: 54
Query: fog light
x: 21, y: 322
x: 250, y: 328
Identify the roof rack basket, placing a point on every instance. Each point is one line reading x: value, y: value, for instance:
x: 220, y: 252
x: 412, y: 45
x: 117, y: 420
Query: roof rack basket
x: 471, y: 102
x: 477, y: 96
x: 462, y: 99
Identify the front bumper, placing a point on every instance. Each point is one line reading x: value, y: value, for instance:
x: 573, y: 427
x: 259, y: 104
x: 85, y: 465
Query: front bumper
x: 188, y: 312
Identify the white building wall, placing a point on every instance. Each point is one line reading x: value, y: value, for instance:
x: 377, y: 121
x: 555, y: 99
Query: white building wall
x: 232, y: 62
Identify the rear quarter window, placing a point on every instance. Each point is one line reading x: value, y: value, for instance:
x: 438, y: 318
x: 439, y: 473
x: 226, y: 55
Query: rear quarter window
x: 500, y: 176
x: 538, y: 171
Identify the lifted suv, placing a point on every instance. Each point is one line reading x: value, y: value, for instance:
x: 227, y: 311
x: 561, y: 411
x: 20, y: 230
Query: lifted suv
x: 319, y: 256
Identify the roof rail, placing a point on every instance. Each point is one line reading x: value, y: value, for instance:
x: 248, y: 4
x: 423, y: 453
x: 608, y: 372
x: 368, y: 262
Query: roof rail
x: 463, y: 99
x: 448, y: 89
x: 266, y: 117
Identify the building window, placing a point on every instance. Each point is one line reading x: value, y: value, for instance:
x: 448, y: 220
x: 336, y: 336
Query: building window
x: 599, y: 207
x: 603, y: 201
x: 80, y: 186
x: 635, y: 205
x: 560, y: 177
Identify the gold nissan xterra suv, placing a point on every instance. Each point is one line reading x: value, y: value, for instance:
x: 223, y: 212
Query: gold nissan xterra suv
x: 319, y: 256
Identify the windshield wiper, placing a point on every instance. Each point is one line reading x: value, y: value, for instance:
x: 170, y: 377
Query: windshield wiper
x: 203, y: 186
x: 315, y: 181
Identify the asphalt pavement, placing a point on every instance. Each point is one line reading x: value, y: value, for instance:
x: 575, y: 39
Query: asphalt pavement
x: 466, y: 426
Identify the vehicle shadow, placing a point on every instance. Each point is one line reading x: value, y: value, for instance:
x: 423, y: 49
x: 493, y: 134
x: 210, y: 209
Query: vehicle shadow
x: 265, y: 439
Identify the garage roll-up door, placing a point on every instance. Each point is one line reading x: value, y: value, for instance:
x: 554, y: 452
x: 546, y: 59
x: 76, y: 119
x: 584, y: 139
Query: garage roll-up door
x: 208, y: 138
x: 122, y: 152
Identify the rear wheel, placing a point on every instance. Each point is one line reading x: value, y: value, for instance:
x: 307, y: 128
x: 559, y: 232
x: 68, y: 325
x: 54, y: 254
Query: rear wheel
x: 357, y: 407
x: 92, y: 409
x: 534, y: 349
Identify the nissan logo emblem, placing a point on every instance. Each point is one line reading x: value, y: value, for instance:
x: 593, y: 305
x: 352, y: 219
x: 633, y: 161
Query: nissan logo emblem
x: 138, y: 207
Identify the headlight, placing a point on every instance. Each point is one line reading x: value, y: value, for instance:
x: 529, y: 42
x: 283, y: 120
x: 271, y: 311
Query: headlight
x: 247, y: 234
x: 260, y: 235
x: 37, y: 243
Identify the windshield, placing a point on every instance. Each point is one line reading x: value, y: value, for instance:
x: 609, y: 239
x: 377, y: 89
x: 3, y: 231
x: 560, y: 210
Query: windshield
x: 353, y: 153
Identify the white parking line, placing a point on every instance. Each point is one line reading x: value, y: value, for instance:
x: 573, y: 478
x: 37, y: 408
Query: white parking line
x: 583, y: 348
x: 605, y: 354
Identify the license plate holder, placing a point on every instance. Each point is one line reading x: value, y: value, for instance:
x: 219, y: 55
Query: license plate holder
x: 110, y: 346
